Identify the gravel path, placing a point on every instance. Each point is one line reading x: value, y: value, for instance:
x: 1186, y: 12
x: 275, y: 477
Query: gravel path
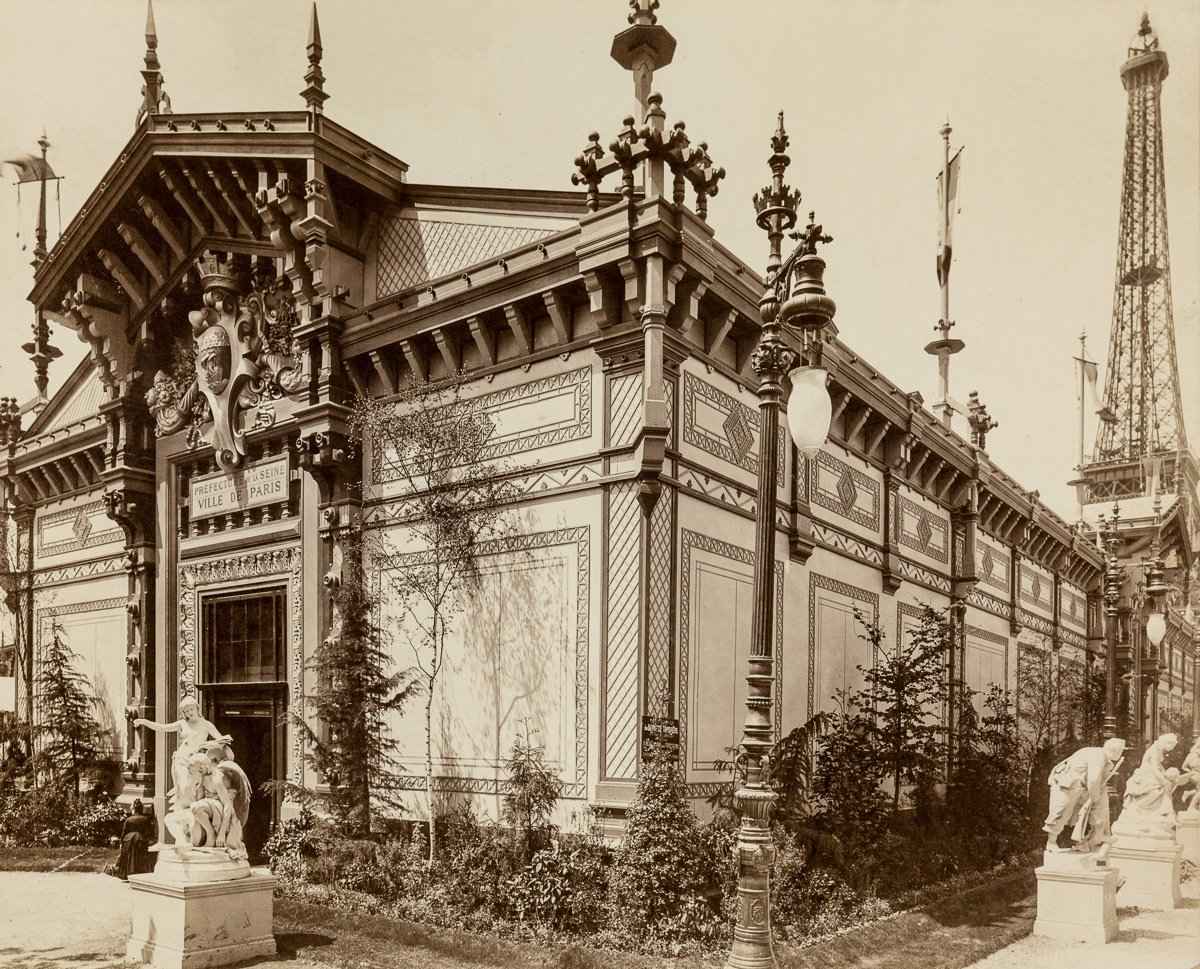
x: 1147, y: 940
x: 69, y: 920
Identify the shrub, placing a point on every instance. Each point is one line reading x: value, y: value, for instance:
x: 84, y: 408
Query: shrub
x: 847, y: 778
x: 94, y: 825
x: 533, y: 790
x: 660, y: 864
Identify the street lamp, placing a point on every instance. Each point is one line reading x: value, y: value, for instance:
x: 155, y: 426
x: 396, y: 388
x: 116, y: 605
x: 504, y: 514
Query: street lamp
x: 794, y: 299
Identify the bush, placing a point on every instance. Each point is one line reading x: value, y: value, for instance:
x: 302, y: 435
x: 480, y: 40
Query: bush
x: 847, y: 779
x: 94, y: 825
x: 52, y: 816
x: 533, y: 790
x: 660, y: 867
x: 563, y: 887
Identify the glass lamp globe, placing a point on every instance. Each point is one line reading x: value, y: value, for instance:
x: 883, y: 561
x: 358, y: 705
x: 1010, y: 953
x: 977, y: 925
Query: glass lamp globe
x: 809, y: 409
x: 1156, y: 628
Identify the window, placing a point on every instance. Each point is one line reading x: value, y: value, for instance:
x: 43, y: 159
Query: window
x: 243, y: 637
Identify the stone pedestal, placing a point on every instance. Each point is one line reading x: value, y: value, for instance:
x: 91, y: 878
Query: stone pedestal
x: 1150, y: 867
x: 1076, y: 900
x: 199, y: 911
x: 1187, y: 834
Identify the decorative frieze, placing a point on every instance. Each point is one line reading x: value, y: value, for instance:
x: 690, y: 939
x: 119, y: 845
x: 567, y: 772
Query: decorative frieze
x: 834, y: 485
x: 924, y: 531
x: 926, y: 577
x: 74, y: 529
x: 988, y: 603
x: 722, y: 426
x: 992, y: 566
x: 527, y: 417
x: 77, y: 571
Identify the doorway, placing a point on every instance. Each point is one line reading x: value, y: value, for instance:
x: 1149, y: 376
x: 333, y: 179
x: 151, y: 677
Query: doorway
x: 255, y: 721
x: 243, y: 666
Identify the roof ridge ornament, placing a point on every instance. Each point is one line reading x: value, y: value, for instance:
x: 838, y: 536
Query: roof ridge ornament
x: 154, y: 93
x: 314, y: 78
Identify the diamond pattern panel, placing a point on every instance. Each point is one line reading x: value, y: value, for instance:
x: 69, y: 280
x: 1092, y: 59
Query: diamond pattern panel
x: 739, y: 435
x: 658, y: 660
x: 621, y: 666
x: 624, y: 409
x: 412, y: 251
x: 847, y: 490
x: 924, y: 531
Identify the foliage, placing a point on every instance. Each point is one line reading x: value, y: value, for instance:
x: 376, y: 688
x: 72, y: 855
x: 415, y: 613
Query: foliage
x: 67, y: 731
x: 294, y: 842
x: 848, y: 777
x: 1089, y: 704
x: 353, y: 749
x: 436, y: 444
x: 660, y: 864
x: 533, y: 789
x: 563, y: 887
x: 903, y: 692
x: 1047, y: 696
x: 51, y: 816
x: 985, y: 802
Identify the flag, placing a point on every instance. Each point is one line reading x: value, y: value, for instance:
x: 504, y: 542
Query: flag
x: 946, y: 210
x: 31, y: 169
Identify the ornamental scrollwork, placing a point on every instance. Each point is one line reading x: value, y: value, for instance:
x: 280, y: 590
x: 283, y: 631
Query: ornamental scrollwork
x: 243, y: 355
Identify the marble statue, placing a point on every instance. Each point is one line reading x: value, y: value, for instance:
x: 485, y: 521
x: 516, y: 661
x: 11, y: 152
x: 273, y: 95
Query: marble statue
x: 1148, y: 808
x: 194, y: 731
x: 221, y: 801
x: 1079, y: 800
x: 1190, y: 774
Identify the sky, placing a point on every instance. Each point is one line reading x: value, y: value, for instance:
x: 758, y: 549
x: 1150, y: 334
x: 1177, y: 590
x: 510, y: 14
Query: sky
x: 504, y: 93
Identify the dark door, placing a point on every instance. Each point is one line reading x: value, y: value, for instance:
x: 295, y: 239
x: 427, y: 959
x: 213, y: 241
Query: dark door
x: 245, y: 691
x: 251, y: 722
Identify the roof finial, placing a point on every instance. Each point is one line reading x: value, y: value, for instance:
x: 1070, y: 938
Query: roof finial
x: 154, y: 98
x: 314, y: 94
x: 642, y: 48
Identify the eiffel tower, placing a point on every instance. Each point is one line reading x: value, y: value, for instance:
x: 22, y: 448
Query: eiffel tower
x: 1139, y: 485
x: 1141, y: 442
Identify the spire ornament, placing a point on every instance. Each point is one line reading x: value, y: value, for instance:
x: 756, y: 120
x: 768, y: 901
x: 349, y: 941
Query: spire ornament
x: 979, y: 420
x: 154, y: 95
x: 314, y: 93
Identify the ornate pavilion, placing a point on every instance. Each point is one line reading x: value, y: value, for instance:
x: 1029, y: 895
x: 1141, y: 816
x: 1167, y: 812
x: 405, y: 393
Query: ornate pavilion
x: 179, y: 502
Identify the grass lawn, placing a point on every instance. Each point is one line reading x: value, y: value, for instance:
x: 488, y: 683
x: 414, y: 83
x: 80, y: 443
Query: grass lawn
x: 71, y: 858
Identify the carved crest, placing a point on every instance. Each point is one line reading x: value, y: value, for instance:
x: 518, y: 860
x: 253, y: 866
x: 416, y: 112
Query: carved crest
x: 244, y: 357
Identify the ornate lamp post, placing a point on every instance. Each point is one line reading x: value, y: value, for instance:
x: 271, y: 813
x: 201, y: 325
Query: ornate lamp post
x: 795, y: 299
x: 1113, y: 578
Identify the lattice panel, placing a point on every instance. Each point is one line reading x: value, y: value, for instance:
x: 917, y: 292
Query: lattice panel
x: 412, y: 251
x: 621, y: 667
x: 624, y: 408
x: 658, y: 660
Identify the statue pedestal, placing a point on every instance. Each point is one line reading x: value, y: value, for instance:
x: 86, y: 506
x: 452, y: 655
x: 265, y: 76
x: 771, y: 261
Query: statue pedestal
x: 1187, y: 834
x: 1076, y: 901
x: 1150, y: 867
x: 200, y: 910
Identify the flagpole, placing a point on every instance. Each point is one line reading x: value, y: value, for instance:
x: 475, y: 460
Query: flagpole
x: 39, y: 249
x: 945, y: 228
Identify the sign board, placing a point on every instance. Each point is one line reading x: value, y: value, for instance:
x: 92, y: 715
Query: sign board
x: 264, y: 483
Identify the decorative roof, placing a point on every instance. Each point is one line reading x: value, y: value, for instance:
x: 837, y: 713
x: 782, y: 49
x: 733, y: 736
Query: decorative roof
x: 412, y: 251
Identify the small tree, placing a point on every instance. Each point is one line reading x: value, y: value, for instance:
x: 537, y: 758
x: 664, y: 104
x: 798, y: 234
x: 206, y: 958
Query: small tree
x: 847, y: 778
x: 988, y: 799
x: 903, y: 692
x: 67, y: 730
x: 659, y: 869
x: 1047, y: 694
x: 533, y: 789
x: 435, y: 445
x: 353, y: 749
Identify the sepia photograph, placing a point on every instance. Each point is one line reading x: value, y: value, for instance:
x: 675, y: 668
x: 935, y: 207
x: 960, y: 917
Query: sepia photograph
x: 653, y: 484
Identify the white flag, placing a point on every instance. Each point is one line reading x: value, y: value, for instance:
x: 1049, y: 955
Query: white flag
x: 946, y: 212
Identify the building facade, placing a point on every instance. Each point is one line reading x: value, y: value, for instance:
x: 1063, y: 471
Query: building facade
x: 180, y: 505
